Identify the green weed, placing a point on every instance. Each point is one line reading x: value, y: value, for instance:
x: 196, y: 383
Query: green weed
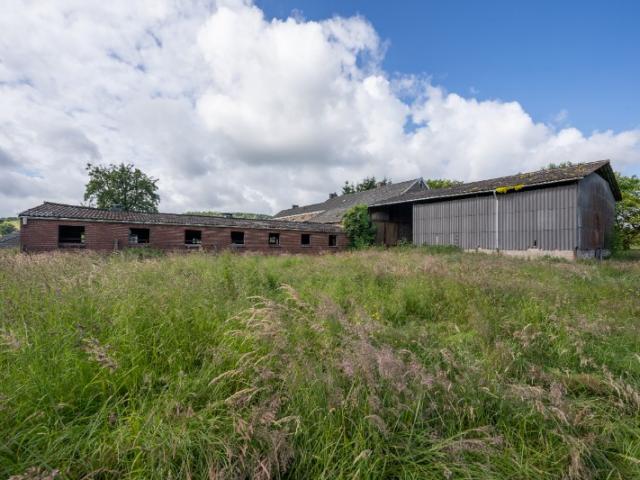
x: 404, y: 363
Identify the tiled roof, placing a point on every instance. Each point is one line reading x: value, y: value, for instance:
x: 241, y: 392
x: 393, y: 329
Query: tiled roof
x: 530, y: 179
x: 10, y: 240
x: 332, y: 210
x: 72, y: 212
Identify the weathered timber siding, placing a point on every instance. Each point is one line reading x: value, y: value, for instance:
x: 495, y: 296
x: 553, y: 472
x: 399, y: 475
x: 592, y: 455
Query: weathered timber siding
x: 543, y: 218
x: 596, y: 213
x: 393, y: 224
x: 42, y: 235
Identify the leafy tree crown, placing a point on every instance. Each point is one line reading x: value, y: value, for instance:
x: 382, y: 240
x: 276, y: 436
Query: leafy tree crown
x: 627, y: 226
x: 367, y: 183
x: 121, y: 185
x: 6, y: 228
x: 435, y: 183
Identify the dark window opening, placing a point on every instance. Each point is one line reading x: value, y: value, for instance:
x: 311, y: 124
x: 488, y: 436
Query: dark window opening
x: 333, y: 241
x: 69, y: 234
x: 192, y: 237
x: 237, y: 238
x: 305, y: 239
x: 138, y: 235
x: 274, y: 239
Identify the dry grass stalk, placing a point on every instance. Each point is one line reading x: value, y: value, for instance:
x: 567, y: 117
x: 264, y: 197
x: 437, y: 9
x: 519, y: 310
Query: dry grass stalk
x: 37, y: 473
x: 223, y: 375
x: 486, y: 444
x: 99, y: 353
x: 627, y: 394
x: 363, y: 455
x: 577, y: 468
x: 379, y: 423
x: 10, y: 340
x: 241, y: 397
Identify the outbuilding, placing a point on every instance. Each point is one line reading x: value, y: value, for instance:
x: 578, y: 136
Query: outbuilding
x: 53, y: 226
x: 567, y: 212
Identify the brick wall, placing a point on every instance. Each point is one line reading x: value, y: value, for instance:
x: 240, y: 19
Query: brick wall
x: 42, y: 235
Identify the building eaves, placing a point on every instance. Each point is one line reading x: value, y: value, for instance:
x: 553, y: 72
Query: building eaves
x: 58, y: 211
x: 332, y: 209
x: 535, y: 179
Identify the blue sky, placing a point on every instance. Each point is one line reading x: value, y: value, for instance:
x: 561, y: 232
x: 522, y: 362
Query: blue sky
x: 240, y: 106
x: 550, y: 56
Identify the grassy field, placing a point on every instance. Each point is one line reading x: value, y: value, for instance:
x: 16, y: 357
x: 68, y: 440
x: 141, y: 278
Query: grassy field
x: 405, y: 363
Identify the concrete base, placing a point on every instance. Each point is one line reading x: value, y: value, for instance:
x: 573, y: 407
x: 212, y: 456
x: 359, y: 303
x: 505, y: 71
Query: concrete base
x: 599, y: 253
x: 531, y: 253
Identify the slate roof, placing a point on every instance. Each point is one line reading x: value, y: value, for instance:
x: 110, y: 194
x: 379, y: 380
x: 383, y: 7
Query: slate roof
x: 530, y: 179
x: 72, y: 212
x: 10, y: 240
x: 332, y: 210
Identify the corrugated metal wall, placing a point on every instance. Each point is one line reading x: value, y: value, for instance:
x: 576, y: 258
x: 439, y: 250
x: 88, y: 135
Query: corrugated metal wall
x: 466, y: 222
x: 544, y: 218
x: 597, y: 213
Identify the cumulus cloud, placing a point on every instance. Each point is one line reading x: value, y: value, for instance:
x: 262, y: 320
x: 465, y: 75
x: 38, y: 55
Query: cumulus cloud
x: 232, y: 110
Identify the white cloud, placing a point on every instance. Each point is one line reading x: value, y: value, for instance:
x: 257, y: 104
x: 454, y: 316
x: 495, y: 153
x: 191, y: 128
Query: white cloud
x: 235, y: 111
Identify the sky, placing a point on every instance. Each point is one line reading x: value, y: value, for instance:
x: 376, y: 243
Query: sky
x: 239, y: 106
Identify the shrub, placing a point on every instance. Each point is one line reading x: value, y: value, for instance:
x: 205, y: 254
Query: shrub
x: 357, y: 224
x: 6, y: 228
x: 627, y: 227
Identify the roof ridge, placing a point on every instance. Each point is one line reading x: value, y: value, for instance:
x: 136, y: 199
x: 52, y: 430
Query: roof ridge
x: 84, y: 207
x: 413, y: 182
x: 532, y: 178
x: 532, y: 172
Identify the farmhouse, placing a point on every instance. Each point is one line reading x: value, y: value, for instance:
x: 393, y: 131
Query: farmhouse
x: 566, y: 212
x: 52, y: 225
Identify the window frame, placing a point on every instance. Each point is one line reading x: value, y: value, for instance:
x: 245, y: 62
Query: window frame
x: 138, y: 242
x: 276, y: 237
x: 82, y: 239
x: 333, y: 240
x: 237, y: 232
x: 308, y: 243
x: 197, y: 237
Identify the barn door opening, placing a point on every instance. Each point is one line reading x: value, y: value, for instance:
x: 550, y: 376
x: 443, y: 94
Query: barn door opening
x: 390, y: 233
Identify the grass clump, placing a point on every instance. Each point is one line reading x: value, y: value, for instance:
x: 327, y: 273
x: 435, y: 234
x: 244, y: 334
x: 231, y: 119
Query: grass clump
x: 374, y: 364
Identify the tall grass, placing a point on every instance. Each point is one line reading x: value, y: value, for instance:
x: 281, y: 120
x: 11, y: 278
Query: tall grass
x: 375, y: 364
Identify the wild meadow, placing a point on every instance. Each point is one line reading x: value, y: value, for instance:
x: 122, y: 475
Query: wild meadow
x: 397, y: 364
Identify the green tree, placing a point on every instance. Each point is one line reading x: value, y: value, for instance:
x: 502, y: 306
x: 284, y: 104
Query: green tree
x: 6, y: 228
x: 358, y: 227
x: 348, y: 188
x: 435, y: 183
x: 367, y: 183
x: 627, y: 225
x: 552, y: 166
x: 121, y: 185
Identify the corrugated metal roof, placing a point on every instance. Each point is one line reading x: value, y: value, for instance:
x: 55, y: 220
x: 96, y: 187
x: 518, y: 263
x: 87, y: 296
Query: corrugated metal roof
x: 530, y: 179
x: 73, y: 212
x: 332, y: 210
